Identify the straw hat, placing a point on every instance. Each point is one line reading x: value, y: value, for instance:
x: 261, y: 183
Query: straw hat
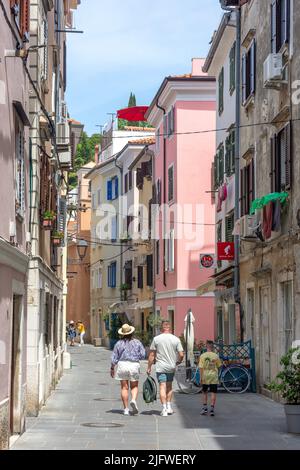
x: 126, y: 330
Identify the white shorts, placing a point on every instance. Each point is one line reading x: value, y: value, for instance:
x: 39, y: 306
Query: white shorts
x: 127, y: 370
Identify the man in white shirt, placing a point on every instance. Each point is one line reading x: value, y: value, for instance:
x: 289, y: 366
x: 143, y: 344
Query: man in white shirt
x: 166, y: 352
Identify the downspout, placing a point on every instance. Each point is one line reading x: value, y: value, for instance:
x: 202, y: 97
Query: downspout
x: 237, y: 295
x: 164, y: 197
x: 30, y: 184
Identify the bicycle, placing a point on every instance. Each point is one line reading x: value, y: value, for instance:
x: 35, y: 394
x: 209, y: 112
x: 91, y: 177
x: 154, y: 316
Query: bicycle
x: 234, y: 378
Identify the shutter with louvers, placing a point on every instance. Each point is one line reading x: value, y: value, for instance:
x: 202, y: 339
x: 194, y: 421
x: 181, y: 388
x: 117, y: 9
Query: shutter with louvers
x: 244, y: 78
x: 273, y: 163
x: 288, y: 157
x: 170, y: 183
x: 130, y: 179
x: 216, y: 181
x: 140, y: 277
x: 159, y: 192
x: 116, y: 182
x: 213, y: 183
x: 126, y: 183
x: 233, y: 151
x: 62, y: 216
x: 229, y: 225
x: 232, y: 68
x: 251, y: 178
x: 25, y: 19
x: 274, y: 26
x: 221, y: 91
x: 285, y: 21
x: 253, y: 68
x: 228, y: 156
x: 242, y: 192
x: 221, y: 165
x: 109, y: 190
x: 149, y: 270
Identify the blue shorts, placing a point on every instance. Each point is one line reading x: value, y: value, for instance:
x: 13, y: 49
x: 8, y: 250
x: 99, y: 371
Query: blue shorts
x: 164, y: 377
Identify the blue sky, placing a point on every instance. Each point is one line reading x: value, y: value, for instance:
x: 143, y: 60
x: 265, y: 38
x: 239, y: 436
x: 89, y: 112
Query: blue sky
x: 131, y: 45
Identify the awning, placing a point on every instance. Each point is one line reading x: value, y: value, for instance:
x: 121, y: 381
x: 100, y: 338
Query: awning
x: 141, y: 305
x: 207, y: 287
x: 135, y: 113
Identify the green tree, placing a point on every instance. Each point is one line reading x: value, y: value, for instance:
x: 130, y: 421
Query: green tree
x: 84, y: 154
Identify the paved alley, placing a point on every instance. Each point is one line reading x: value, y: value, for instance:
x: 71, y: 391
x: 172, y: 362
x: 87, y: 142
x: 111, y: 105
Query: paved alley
x: 84, y: 413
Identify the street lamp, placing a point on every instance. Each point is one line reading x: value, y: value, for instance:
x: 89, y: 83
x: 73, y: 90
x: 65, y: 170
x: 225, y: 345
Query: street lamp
x: 82, y: 247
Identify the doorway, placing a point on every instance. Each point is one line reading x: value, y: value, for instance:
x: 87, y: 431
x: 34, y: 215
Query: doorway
x: 265, y: 342
x: 16, y: 418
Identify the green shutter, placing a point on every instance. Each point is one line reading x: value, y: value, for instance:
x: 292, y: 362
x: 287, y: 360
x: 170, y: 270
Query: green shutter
x: 221, y: 91
x: 216, y: 182
x: 232, y: 69
x: 228, y: 156
x: 232, y: 138
x: 221, y: 165
x: 229, y: 228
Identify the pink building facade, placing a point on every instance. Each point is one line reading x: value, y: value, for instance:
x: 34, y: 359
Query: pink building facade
x: 14, y: 225
x: 182, y: 109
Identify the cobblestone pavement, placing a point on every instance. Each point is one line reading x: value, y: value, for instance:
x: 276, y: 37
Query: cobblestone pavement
x: 85, y: 413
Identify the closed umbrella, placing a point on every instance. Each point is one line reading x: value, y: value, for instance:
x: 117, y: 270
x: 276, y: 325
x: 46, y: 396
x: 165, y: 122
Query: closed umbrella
x: 189, y: 337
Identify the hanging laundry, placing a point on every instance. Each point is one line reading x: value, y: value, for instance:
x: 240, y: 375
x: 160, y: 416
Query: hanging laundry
x: 276, y: 225
x: 267, y: 220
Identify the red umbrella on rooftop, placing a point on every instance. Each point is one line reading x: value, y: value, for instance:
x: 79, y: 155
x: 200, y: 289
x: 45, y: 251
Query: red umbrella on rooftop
x: 136, y: 113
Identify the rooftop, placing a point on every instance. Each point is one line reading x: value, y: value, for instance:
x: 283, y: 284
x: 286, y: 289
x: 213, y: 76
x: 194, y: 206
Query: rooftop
x: 143, y: 141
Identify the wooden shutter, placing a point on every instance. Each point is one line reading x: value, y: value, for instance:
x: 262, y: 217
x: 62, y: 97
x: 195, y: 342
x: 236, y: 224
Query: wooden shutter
x: 253, y: 67
x: 213, y: 183
x: 228, y: 156
x: 170, y: 183
x: 116, y: 183
x: 288, y: 157
x: 25, y: 19
x: 285, y: 21
x: 140, y: 277
x: 149, y: 270
x: 62, y: 214
x: 232, y: 142
x: 229, y: 226
x: 221, y: 91
x: 273, y: 163
x: 109, y: 190
x: 274, y: 26
x: 232, y: 68
x: 221, y: 165
x: 251, y: 184
x: 126, y: 183
x: 244, y: 78
x: 130, y: 179
x: 158, y: 192
x: 242, y: 193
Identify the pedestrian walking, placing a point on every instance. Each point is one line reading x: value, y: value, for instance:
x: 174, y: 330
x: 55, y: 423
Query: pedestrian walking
x: 166, y: 352
x: 71, y: 331
x: 81, y: 332
x: 209, y: 364
x: 125, y: 366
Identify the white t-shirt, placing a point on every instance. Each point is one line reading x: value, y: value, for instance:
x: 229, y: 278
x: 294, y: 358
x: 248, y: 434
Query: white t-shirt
x: 167, y: 347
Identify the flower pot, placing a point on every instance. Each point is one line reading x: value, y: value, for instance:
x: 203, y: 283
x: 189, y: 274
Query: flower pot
x: 292, y: 413
x: 56, y: 241
x: 48, y: 224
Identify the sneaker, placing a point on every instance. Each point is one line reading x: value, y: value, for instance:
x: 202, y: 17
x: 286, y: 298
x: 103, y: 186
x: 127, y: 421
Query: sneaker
x: 212, y: 412
x: 134, y: 407
x: 170, y: 411
x: 126, y: 412
x: 204, y: 411
x: 164, y: 413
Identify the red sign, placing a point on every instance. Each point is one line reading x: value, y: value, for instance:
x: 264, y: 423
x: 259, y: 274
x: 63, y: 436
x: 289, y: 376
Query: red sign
x: 207, y: 260
x: 225, y: 251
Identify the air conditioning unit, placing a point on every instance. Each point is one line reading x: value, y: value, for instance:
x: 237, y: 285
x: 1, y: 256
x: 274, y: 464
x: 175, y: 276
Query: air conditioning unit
x: 63, y: 134
x: 248, y: 226
x: 273, y: 69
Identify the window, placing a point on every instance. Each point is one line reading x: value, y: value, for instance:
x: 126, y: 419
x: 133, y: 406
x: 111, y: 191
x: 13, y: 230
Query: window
x: 44, y: 50
x: 149, y: 270
x: 170, y: 252
x: 114, y: 226
x: 140, y: 277
x: 21, y: 12
x: 249, y: 72
x: 232, y: 58
x: 220, y: 332
x: 157, y: 140
x: 221, y: 91
x: 157, y: 252
x: 230, y: 153
x: 247, y: 188
x: 229, y: 226
x: 171, y: 318
x: 112, y: 275
x: 171, y: 183
x: 126, y: 183
x: 112, y: 189
x: 280, y: 24
x: 128, y: 273
x: 20, y: 169
x: 130, y: 180
x: 97, y: 278
x: 171, y: 121
x: 281, y: 160
x: 288, y: 325
x: 219, y: 166
x: 129, y: 224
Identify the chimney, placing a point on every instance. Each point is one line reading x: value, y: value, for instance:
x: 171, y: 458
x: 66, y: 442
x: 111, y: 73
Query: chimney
x: 197, y: 64
x: 96, y: 157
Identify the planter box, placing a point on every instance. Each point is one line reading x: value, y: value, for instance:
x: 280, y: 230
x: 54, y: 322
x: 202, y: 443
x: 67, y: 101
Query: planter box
x: 292, y: 413
x: 97, y: 342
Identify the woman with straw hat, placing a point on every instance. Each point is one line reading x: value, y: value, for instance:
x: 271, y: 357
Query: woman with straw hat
x: 127, y: 354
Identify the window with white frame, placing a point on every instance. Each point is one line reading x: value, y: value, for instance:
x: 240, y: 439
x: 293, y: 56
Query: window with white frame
x: 280, y: 24
x: 249, y: 72
x: 20, y: 168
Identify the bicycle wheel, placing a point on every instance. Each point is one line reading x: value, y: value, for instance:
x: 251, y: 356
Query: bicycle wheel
x: 236, y: 379
x: 188, y: 379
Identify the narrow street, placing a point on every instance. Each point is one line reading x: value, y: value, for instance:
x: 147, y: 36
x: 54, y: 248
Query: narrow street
x: 84, y: 413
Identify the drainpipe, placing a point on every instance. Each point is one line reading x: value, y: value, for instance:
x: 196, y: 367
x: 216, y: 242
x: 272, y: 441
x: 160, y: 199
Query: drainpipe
x: 164, y: 197
x: 237, y: 296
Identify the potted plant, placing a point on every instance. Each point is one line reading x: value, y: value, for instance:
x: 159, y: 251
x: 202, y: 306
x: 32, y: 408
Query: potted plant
x: 57, y: 238
x: 287, y: 384
x: 113, y: 334
x: 145, y: 338
x: 124, y: 290
x: 48, y: 219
